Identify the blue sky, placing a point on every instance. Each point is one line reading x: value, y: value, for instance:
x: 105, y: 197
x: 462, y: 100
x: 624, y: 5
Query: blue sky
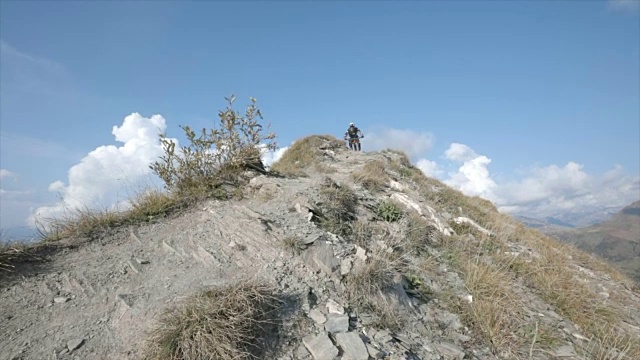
x: 532, y: 104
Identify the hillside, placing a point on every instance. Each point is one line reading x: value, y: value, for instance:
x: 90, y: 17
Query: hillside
x: 331, y: 254
x: 617, y: 239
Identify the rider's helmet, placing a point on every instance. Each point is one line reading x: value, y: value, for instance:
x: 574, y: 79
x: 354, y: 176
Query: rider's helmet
x: 352, y: 124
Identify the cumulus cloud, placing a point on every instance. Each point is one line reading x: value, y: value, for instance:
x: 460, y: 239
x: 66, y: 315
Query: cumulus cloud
x: 4, y: 173
x: 541, y: 191
x: 102, y: 172
x: 429, y: 168
x: 546, y: 191
x: 414, y: 144
x: 269, y: 157
x: 472, y: 177
x: 460, y: 152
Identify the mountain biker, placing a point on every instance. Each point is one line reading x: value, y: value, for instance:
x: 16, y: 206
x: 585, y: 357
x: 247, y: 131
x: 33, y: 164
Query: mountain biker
x: 352, y: 132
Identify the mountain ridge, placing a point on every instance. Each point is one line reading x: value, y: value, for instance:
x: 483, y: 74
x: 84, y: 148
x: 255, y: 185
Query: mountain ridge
x: 369, y: 259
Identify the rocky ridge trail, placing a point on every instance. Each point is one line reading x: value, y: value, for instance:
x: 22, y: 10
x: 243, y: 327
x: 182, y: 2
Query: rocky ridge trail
x: 98, y: 299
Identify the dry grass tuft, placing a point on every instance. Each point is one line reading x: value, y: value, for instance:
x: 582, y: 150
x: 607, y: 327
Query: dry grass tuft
x: 305, y: 154
x: 368, y: 286
x: 495, y: 307
x: 612, y: 344
x: 418, y: 233
x: 12, y: 253
x: 85, y: 222
x: 372, y: 176
x: 227, y: 322
x: 362, y: 233
x: 338, y: 205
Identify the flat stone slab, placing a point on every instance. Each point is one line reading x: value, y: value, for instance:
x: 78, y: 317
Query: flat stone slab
x: 352, y: 346
x: 320, y: 347
x: 450, y: 351
x: 74, y: 344
x: 320, y: 257
x: 565, y: 351
x: 337, y: 323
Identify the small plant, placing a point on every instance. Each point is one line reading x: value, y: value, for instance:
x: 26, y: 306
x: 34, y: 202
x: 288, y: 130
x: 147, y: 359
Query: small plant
x: 227, y: 322
x: 389, y: 211
x: 215, y: 157
x: 293, y: 244
x: 415, y: 282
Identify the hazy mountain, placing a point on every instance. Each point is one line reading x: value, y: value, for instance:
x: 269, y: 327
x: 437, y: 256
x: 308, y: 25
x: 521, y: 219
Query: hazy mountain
x: 616, y: 239
x: 571, y: 219
x: 544, y: 224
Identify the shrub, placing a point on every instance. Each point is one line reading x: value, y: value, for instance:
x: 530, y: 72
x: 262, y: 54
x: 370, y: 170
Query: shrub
x: 216, y: 156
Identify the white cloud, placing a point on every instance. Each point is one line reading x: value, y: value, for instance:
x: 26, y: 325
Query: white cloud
x: 473, y: 177
x: 269, y: 157
x: 100, y: 175
x: 429, y: 168
x: 550, y: 190
x: 4, y: 173
x: 56, y: 186
x: 543, y: 191
x: 460, y: 152
x: 414, y: 144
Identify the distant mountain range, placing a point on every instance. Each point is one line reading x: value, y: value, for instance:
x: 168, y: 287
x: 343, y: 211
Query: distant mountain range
x: 571, y: 219
x: 616, y: 239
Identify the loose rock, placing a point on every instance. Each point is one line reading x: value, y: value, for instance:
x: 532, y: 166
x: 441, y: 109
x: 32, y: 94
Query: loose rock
x: 317, y: 316
x: 450, y: 351
x: 74, y: 344
x: 320, y: 347
x: 320, y: 257
x: 337, y: 323
x: 334, y: 308
x: 565, y: 351
x: 352, y: 346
